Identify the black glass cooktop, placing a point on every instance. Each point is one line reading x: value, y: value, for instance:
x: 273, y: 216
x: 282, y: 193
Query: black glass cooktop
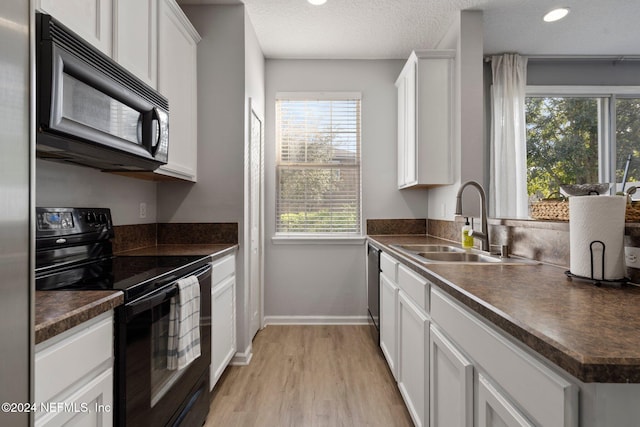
x: 134, y: 275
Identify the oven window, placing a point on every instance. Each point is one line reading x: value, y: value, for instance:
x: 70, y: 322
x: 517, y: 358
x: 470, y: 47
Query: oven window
x: 161, y: 378
x: 90, y: 107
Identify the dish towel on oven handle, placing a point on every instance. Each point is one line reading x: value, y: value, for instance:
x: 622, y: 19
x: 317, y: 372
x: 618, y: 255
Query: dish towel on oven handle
x: 184, y: 324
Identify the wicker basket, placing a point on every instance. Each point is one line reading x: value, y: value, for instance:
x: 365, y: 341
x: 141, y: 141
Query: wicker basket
x: 633, y: 212
x: 558, y: 210
x: 551, y: 209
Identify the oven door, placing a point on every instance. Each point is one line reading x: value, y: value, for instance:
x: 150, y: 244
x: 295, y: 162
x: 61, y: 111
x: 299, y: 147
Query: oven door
x: 148, y: 392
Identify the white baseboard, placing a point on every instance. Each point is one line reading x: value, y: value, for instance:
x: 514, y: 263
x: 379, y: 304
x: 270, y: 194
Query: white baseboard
x: 316, y: 320
x: 244, y: 358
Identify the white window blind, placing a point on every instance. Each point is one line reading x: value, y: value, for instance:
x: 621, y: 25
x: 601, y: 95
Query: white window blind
x: 318, y: 164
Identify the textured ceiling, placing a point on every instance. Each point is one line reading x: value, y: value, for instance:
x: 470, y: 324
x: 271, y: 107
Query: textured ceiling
x: 392, y: 28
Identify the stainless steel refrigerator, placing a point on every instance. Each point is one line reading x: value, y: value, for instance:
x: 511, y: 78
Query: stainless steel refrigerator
x: 16, y: 160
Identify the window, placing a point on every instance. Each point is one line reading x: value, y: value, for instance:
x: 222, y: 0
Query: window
x: 581, y: 135
x: 318, y: 164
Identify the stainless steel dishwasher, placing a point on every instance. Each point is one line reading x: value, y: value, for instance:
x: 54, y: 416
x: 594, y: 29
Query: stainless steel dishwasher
x: 373, y: 290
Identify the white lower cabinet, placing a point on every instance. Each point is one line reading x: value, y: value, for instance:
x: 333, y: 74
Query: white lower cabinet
x: 413, y: 358
x: 74, y: 376
x: 223, y: 316
x: 524, y: 392
x: 451, y: 378
x: 495, y: 410
x: 389, y: 322
x: 455, y: 368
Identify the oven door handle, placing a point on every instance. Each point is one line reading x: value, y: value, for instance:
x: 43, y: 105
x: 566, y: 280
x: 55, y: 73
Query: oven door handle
x: 147, y: 303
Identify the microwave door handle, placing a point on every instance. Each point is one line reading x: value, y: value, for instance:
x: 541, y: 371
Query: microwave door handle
x: 156, y: 131
x: 160, y: 129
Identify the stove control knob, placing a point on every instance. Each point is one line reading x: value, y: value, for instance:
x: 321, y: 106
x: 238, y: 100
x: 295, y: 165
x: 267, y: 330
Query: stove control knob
x: 91, y: 217
x: 102, y: 218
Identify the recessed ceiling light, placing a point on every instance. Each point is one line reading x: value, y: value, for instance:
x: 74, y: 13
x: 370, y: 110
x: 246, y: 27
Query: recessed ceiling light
x: 317, y: 2
x: 556, y: 14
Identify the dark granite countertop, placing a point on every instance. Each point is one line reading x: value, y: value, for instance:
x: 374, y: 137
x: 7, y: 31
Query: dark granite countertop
x: 591, y: 332
x: 58, y: 311
x: 215, y: 250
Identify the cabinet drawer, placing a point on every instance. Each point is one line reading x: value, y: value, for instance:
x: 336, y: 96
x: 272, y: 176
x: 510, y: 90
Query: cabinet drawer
x: 223, y: 268
x: 415, y: 286
x: 389, y: 267
x: 61, y: 362
x: 545, y: 396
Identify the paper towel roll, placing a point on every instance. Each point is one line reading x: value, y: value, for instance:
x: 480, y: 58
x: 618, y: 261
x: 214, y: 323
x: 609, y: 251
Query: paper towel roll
x: 597, y: 218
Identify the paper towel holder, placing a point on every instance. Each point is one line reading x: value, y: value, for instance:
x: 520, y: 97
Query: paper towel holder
x: 592, y: 279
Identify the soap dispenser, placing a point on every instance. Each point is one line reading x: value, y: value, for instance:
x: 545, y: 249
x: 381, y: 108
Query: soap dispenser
x: 467, y: 240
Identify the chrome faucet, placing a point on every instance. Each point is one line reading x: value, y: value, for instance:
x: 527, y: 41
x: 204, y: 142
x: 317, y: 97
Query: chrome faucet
x: 484, y: 234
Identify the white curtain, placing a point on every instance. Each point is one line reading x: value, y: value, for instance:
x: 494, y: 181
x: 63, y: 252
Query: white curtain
x: 508, y: 137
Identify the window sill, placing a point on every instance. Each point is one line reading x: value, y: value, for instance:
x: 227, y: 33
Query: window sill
x: 318, y: 240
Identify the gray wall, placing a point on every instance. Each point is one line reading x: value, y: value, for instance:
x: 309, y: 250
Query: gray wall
x: 583, y: 72
x: 328, y: 280
x: 465, y: 36
x: 61, y: 185
x: 230, y: 70
x: 218, y: 194
x: 16, y: 304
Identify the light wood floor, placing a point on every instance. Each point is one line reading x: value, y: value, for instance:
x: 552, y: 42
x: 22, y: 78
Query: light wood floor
x: 309, y: 376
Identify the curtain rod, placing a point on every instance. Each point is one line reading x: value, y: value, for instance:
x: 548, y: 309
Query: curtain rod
x: 618, y: 58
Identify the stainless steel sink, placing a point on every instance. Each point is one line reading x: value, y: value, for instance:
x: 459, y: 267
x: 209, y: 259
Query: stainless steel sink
x: 446, y: 254
x: 457, y: 257
x: 428, y: 248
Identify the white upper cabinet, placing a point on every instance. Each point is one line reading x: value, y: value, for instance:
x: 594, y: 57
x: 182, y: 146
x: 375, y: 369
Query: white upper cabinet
x: 177, y: 80
x: 425, y: 119
x: 90, y: 19
x: 135, y: 38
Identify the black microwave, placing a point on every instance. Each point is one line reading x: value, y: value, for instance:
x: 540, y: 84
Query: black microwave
x: 90, y: 110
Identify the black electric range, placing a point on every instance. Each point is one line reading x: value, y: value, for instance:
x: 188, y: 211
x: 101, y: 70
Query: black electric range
x: 74, y: 252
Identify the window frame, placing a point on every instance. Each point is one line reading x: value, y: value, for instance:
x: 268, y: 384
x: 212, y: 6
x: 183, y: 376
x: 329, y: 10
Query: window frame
x: 282, y: 237
x: 607, y: 96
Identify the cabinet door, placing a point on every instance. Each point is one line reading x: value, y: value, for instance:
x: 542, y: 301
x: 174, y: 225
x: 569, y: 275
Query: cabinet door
x: 388, y: 322
x: 410, y: 171
x: 494, y: 410
x: 402, y: 129
x: 451, y: 384
x: 223, y: 327
x: 90, y: 19
x: 406, y: 85
x: 434, y: 121
x: 135, y: 37
x: 66, y: 360
x: 177, y: 80
x: 91, y: 405
x: 425, y: 119
x: 413, y: 359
